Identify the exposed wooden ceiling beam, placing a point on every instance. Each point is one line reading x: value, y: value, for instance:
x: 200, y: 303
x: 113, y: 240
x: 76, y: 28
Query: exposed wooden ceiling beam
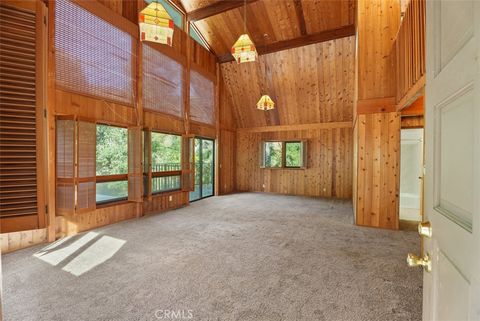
x: 301, y: 18
x: 215, y: 8
x: 327, y: 35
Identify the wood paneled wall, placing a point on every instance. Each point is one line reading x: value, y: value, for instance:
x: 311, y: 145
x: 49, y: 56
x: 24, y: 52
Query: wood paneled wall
x: 377, y: 22
x: 378, y: 170
x: 377, y: 125
x: 18, y: 240
x: 329, y: 164
x: 63, y: 102
x: 312, y: 87
x: 310, y: 84
x: 226, y: 142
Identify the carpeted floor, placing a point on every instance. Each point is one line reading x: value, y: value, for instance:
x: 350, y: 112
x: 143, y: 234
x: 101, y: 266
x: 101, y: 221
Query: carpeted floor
x: 239, y: 257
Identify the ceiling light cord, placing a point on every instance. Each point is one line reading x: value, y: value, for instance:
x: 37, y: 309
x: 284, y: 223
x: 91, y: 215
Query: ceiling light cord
x: 244, y: 16
x: 265, y: 36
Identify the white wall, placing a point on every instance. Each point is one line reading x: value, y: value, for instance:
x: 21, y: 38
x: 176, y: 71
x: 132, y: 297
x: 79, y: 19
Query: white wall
x: 411, y: 167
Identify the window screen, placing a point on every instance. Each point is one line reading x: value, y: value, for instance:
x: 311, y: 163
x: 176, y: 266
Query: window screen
x: 162, y: 82
x: 92, y: 56
x: 201, y: 99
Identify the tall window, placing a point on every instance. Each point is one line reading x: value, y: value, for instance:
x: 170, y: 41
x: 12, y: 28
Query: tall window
x: 111, y: 163
x: 176, y: 15
x: 286, y: 154
x: 92, y: 56
x: 166, y: 162
x: 196, y: 35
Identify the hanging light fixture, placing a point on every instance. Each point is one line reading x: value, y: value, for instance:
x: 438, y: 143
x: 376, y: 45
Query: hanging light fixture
x: 156, y: 25
x: 265, y: 102
x: 244, y: 49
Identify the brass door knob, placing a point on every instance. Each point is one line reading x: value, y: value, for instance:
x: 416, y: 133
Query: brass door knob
x: 426, y: 261
x: 425, y: 229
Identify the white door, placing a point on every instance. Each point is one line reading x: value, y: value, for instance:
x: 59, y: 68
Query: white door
x: 452, y: 142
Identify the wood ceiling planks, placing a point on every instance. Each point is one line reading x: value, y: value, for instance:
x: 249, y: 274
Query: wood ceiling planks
x: 281, y: 20
x: 310, y: 84
x: 191, y: 5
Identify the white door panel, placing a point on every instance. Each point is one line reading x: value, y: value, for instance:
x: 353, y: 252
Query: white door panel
x: 452, y: 145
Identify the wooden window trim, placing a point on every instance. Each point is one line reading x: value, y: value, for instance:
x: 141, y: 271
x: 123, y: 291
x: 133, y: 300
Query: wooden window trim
x: 167, y: 173
x: 284, y: 155
x: 111, y: 178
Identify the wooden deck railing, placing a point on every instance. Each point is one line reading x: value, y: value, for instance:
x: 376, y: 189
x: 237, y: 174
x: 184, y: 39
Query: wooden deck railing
x: 409, y: 52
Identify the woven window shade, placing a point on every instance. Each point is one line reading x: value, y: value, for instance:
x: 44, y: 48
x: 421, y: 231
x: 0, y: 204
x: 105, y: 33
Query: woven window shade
x: 87, y: 133
x: 65, y: 166
x: 162, y: 82
x: 202, y: 101
x: 65, y: 148
x: 135, y: 170
x: 18, y: 163
x: 92, y: 56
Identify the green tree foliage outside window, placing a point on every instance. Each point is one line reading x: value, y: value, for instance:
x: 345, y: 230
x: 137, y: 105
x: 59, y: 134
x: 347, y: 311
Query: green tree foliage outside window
x: 293, y: 154
x: 166, y: 152
x: 273, y: 154
x: 112, y: 150
x: 111, y: 159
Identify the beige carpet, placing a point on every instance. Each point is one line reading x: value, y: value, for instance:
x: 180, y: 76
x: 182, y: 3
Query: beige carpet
x: 239, y: 257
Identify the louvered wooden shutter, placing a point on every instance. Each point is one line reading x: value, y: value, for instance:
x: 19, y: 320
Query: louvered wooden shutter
x: 65, y: 165
x: 21, y: 102
x: 147, y: 167
x: 135, y: 170
x: 87, y: 133
x: 92, y: 56
x: 202, y: 99
x: 162, y: 82
x: 188, y: 163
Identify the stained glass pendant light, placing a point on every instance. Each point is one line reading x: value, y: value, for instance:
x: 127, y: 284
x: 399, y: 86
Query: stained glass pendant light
x: 156, y: 25
x: 244, y: 49
x: 265, y: 102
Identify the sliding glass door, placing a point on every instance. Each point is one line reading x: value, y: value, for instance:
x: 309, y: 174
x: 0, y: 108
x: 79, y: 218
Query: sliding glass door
x: 204, y: 169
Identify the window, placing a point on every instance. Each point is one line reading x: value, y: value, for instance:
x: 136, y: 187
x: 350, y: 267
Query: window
x: 111, y: 163
x: 162, y: 83
x: 293, y: 154
x: 92, y: 56
x: 287, y: 154
x: 166, y: 162
x: 273, y: 154
x: 176, y: 15
x: 196, y: 35
x: 202, y: 98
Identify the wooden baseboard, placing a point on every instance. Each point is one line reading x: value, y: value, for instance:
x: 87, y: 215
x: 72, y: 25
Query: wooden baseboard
x: 19, y: 240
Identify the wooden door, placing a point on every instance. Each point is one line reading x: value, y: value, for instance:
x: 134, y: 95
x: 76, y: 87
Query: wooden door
x: 452, y: 180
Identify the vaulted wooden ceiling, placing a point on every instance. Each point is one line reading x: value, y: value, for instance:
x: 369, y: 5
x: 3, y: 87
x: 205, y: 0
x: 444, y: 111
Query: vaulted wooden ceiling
x: 310, y: 84
x: 288, y: 23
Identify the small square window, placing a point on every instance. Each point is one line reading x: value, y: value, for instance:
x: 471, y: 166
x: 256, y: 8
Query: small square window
x: 293, y: 154
x: 273, y: 154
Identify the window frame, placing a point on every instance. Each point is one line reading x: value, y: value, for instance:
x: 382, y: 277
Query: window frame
x: 303, y: 154
x: 156, y: 174
x: 113, y: 177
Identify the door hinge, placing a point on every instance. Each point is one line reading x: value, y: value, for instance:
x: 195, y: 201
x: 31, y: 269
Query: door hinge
x: 45, y: 20
x: 46, y: 209
x: 45, y: 113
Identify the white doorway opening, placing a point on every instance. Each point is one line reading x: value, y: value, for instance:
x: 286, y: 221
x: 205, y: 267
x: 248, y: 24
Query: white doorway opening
x: 411, y: 175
